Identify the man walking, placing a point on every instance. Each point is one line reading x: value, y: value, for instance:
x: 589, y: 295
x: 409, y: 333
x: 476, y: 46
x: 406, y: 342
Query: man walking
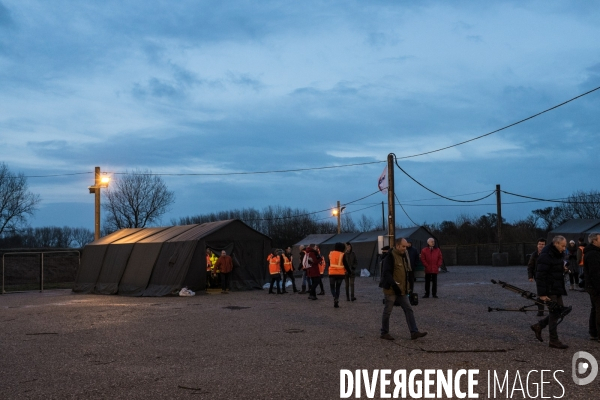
x: 431, y: 257
x: 591, y: 272
x: 532, y: 266
x: 550, y: 284
x: 395, y: 284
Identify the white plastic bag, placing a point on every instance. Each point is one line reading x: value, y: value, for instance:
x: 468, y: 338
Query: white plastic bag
x: 185, y: 292
x: 365, y: 273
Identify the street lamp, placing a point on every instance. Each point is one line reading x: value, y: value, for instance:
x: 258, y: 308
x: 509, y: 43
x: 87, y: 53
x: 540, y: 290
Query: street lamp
x: 100, y: 181
x: 337, y: 212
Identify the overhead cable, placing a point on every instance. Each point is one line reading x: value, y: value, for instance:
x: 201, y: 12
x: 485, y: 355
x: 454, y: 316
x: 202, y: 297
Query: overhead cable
x: 402, y: 207
x: 436, y: 193
x: 503, y: 128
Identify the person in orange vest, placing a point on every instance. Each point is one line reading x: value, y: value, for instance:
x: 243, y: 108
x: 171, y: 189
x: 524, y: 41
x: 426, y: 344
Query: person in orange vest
x: 338, y: 268
x: 289, y: 268
x: 208, y: 269
x: 225, y: 265
x: 276, y: 267
x: 322, y: 265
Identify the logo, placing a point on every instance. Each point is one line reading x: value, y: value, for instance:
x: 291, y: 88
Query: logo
x: 580, y: 368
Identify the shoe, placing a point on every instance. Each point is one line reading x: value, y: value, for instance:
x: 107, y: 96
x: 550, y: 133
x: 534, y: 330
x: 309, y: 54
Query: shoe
x: 223, y: 292
x: 354, y: 299
x: 321, y: 293
x: 593, y: 337
x: 416, y: 335
x: 537, y: 329
x: 312, y: 297
x: 336, y: 304
x: 295, y: 290
x: 435, y: 297
x: 271, y: 292
x: 386, y: 336
x: 303, y: 290
x: 347, y: 298
x: 540, y: 314
x: 571, y: 287
x: 557, y: 344
x: 426, y: 296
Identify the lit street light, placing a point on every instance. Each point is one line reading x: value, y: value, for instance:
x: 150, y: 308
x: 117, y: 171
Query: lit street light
x: 100, y: 181
x: 337, y: 212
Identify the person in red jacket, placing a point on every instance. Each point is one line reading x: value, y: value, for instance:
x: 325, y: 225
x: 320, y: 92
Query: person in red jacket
x: 431, y: 257
x: 225, y: 265
x: 312, y: 271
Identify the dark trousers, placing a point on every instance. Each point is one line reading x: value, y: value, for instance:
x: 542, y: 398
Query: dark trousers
x: 349, y: 280
x: 290, y: 274
x: 208, y: 279
x: 225, y: 280
x: 314, y: 282
x: 574, y: 274
x: 321, y: 284
x: 275, y: 278
x: 408, y: 313
x: 335, y: 283
x: 551, y: 321
x: 594, y: 325
x: 433, y: 279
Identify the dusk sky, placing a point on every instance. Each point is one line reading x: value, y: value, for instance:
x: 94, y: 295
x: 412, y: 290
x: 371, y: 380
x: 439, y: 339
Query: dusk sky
x: 219, y: 87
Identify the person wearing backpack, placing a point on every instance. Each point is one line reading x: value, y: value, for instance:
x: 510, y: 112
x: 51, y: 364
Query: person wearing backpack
x: 311, y: 265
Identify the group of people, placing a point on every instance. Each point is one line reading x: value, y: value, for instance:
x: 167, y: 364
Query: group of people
x: 548, y: 266
x: 342, y: 268
x: 218, y: 270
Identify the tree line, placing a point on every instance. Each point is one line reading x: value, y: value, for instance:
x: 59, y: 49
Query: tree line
x: 138, y: 199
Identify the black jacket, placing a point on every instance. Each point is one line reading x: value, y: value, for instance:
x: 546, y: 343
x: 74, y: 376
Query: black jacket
x: 591, y: 269
x: 531, y: 265
x: 549, y: 277
x: 387, y: 274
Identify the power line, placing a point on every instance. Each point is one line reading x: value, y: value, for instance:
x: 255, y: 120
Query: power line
x: 402, y: 207
x: 503, y: 128
x: 436, y: 193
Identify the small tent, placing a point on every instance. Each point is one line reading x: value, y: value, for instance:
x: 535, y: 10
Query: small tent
x: 573, y: 229
x: 158, y: 261
x: 365, y: 245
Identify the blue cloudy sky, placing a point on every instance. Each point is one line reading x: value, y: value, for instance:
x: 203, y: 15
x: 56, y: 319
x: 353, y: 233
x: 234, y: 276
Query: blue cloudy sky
x: 219, y: 87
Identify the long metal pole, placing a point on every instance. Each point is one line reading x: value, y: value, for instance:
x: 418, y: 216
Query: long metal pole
x: 97, y: 205
x: 499, y: 215
x: 391, y: 202
x: 339, y: 221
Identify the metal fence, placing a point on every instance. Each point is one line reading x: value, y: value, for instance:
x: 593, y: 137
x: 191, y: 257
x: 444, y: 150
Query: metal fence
x: 23, y: 267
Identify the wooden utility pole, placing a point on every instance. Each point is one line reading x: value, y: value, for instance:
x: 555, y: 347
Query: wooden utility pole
x: 391, y: 202
x: 97, y: 204
x: 382, y: 216
x: 499, y: 216
x: 339, y: 217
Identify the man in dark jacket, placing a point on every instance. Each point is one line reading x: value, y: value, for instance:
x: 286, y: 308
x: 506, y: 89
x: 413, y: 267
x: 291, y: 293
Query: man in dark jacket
x: 531, y: 267
x: 591, y: 271
x: 395, y: 284
x: 550, y: 284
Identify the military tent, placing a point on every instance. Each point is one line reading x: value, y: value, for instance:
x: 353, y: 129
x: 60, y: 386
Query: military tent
x: 573, y: 229
x: 158, y: 261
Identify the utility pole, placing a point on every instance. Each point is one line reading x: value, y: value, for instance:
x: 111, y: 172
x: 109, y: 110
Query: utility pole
x: 391, y: 202
x: 382, y: 217
x: 499, y: 216
x: 339, y: 217
x: 99, y: 182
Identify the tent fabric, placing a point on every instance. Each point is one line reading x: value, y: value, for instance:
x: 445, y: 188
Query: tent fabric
x: 573, y: 229
x: 93, y: 258
x: 159, y: 261
x: 143, y: 257
x: 116, y: 258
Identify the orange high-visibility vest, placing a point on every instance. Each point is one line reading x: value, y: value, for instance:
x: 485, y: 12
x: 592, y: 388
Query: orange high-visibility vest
x: 336, y: 263
x: 322, y: 265
x: 274, y: 267
x: 287, y: 264
x: 581, y: 261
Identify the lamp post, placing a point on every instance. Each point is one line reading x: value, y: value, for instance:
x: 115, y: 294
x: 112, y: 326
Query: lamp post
x: 100, y: 181
x: 337, y: 212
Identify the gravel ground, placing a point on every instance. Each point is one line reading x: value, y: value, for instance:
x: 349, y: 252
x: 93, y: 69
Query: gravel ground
x: 254, y: 345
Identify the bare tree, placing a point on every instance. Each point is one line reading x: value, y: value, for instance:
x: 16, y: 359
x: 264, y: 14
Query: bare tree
x: 82, y: 236
x: 16, y: 202
x: 585, y: 205
x: 365, y: 224
x: 135, y: 200
x: 348, y: 224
